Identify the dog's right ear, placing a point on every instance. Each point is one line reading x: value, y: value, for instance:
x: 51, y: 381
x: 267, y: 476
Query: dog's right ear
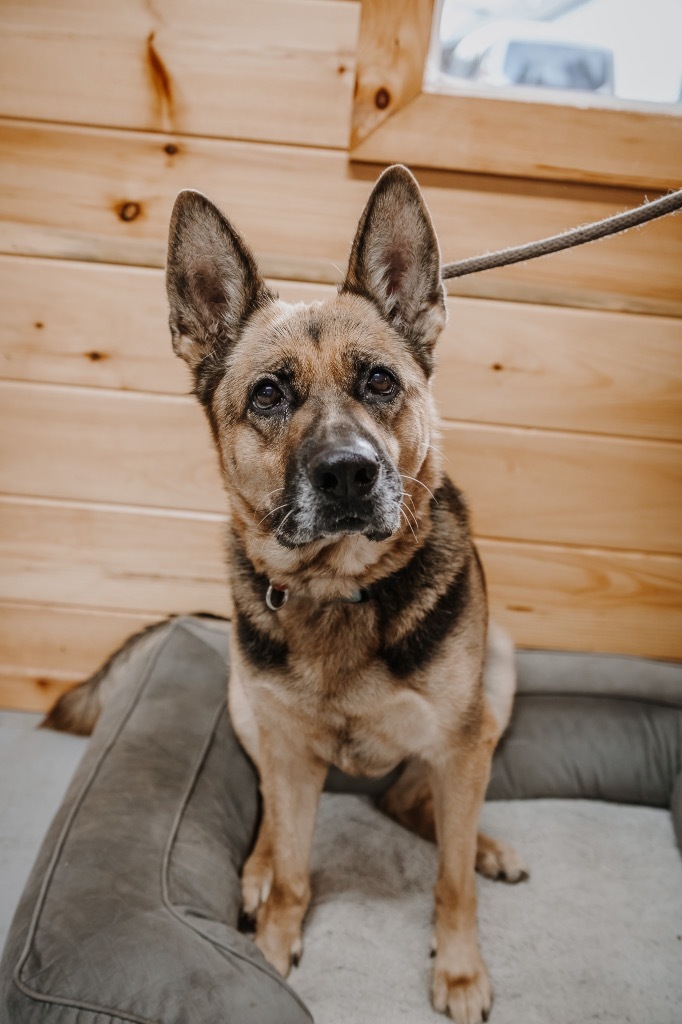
x: 212, y: 280
x: 395, y: 262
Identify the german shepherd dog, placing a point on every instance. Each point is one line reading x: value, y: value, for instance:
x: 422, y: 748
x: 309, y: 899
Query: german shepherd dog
x: 360, y: 624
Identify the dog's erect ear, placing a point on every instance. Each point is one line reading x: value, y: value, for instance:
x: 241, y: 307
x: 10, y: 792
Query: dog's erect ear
x: 395, y: 260
x: 212, y: 279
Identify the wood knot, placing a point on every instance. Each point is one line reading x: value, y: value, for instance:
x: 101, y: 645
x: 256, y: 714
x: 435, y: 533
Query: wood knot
x: 382, y: 98
x: 129, y: 211
x: 39, y: 325
x: 497, y: 367
x: 170, y: 148
x: 95, y: 357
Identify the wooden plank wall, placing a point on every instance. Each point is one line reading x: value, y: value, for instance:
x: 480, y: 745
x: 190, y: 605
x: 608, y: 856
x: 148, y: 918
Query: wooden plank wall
x: 559, y: 381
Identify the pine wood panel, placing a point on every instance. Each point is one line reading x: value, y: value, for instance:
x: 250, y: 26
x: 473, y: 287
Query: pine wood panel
x: 275, y: 70
x: 545, y: 486
x: 520, y: 364
x: 46, y: 648
x: 154, y: 450
x: 110, y: 446
x: 392, y: 49
x: 104, y: 557
x: 582, y: 599
x: 560, y: 368
x: 84, y: 557
x: 107, y: 195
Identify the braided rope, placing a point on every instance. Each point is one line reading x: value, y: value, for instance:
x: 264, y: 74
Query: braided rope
x: 670, y: 203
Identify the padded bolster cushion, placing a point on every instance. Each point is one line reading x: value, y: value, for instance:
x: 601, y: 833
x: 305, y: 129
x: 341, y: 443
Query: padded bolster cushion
x: 599, y: 726
x: 130, y: 913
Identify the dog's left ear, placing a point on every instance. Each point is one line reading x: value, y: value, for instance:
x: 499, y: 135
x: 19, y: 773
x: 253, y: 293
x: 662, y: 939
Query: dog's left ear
x: 395, y: 261
x: 212, y: 280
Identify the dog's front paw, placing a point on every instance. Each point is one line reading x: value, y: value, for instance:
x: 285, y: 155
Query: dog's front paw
x: 467, y: 997
x: 281, y: 946
x: 257, y: 878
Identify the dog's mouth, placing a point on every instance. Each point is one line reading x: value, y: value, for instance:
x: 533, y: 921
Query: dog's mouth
x: 350, y: 524
x: 307, y: 523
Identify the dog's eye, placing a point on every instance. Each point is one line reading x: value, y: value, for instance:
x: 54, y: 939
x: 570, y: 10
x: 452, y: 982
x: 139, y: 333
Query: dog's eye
x: 381, y: 382
x: 266, y: 395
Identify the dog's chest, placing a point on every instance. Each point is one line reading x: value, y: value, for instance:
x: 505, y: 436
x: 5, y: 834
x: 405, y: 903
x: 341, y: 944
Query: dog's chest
x: 357, y: 715
x: 371, y: 727
x: 374, y: 743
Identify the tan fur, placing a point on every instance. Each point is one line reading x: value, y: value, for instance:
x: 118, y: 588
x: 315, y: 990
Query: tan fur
x: 321, y: 682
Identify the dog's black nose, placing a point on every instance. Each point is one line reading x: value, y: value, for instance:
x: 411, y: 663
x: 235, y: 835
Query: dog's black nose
x: 344, y: 472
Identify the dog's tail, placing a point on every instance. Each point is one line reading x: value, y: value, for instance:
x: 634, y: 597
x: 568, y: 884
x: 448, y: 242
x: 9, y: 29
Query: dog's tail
x: 78, y: 709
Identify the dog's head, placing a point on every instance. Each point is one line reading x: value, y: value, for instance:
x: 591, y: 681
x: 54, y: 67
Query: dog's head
x: 321, y: 413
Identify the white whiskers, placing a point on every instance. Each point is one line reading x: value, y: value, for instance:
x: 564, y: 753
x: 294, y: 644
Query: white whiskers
x: 278, y: 508
x: 406, y: 477
x: 401, y: 510
x: 439, y: 450
x: 292, y: 509
x: 268, y: 495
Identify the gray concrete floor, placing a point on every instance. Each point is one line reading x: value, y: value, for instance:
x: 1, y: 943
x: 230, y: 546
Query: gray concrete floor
x: 36, y: 766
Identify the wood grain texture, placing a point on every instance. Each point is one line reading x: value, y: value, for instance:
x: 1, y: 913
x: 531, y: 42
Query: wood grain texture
x: 274, y: 70
x: 520, y: 364
x: 548, y: 140
x: 108, y: 446
x: 107, y: 195
x: 537, y: 485
x: 568, y: 369
x: 582, y: 599
x: 154, y: 450
x: 392, y: 47
x: 44, y: 649
x: 79, y: 557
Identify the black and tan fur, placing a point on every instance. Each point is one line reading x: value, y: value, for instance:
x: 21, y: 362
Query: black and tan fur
x: 327, y: 435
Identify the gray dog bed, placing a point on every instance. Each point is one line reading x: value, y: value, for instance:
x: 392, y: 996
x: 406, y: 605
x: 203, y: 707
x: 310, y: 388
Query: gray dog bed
x: 131, y: 911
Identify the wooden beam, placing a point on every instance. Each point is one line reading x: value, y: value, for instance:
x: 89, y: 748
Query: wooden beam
x: 529, y: 139
x: 107, y: 195
x: 392, y: 48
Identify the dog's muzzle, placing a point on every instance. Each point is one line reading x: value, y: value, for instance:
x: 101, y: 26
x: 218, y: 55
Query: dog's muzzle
x: 338, y: 486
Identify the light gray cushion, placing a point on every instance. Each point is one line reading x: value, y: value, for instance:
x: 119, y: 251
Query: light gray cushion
x: 604, y: 748
x: 600, y: 726
x: 573, y: 673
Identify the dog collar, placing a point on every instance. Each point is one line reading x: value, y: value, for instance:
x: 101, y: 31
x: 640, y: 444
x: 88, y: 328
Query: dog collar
x: 276, y: 597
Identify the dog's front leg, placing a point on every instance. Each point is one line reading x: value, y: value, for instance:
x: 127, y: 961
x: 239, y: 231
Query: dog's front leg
x: 461, y: 985
x: 291, y: 783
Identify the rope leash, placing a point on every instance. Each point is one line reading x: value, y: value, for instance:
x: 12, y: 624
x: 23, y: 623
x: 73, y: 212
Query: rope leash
x: 670, y: 203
